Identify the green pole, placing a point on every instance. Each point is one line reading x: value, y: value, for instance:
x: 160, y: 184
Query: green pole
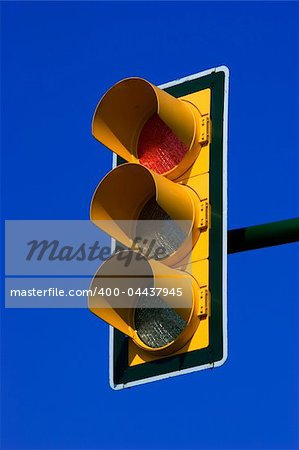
x: 266, y: 235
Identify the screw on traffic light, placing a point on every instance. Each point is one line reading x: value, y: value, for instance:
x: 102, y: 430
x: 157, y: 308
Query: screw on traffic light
x: 163, y: 290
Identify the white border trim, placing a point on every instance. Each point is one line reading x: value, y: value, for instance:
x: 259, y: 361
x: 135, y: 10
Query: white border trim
x: 224, y: 246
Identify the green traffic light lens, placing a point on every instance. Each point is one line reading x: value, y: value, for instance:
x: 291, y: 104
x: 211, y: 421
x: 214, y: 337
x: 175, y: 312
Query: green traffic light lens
x: 156, y: 323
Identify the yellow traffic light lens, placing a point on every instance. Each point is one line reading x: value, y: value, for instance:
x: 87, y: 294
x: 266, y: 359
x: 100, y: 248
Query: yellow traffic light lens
x: 159, y: 230
x: 159, y: 149
x: 156, y: 323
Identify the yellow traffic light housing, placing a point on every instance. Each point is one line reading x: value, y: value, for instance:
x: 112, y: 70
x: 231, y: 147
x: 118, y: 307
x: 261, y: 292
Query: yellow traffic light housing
x: 163, y: 194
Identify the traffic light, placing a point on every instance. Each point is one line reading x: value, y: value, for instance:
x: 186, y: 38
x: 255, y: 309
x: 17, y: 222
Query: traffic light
x: 163, y: 290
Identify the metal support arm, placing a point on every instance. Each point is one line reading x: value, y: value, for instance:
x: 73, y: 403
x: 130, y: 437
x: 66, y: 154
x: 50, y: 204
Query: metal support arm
x: 266, y: 235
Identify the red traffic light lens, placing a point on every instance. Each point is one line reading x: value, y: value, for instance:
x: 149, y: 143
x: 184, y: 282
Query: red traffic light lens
x: 159, y: 149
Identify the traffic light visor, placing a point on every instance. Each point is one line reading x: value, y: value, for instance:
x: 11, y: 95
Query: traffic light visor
x: 132, y: 202
x: 154, y: 305
x: 142, y: 123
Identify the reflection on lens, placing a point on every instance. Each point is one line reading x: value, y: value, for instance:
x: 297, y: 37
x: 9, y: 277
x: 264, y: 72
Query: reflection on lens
x: 157, y: 325
x: 158, y: 229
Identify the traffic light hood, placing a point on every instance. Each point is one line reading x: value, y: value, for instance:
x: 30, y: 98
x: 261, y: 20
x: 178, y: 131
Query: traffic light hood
x: 133, y: 202
x: 118, y: 293
x: 125, y: 109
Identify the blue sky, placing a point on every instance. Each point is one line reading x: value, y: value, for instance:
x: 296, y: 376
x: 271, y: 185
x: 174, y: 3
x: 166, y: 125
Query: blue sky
x: 57, y: 60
